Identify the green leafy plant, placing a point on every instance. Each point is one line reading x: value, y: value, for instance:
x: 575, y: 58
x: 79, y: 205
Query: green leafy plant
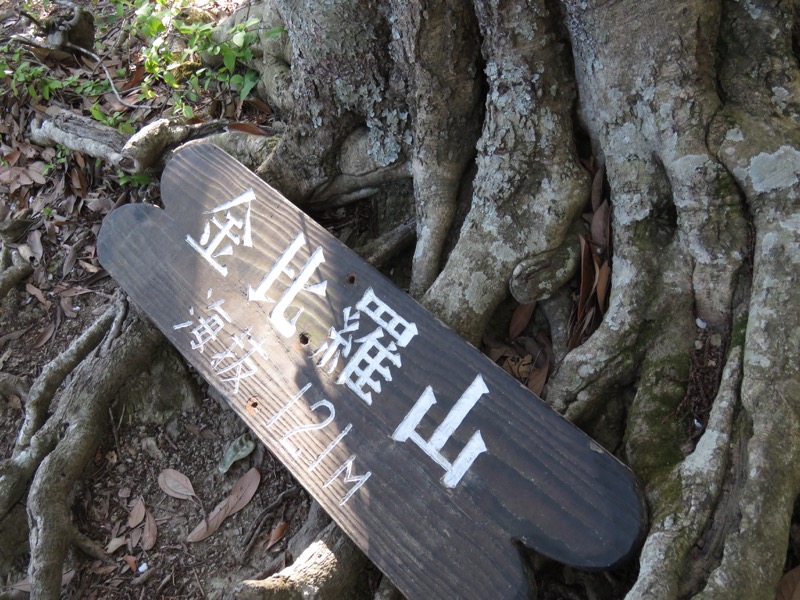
x: 59, y: 161
x: 177, y: 40
x: 115, y: 119
x: 133, y: 179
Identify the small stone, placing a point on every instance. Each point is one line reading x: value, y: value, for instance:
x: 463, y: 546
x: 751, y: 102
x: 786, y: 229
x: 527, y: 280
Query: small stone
x: 698, y: 345
x: 715, y: 340
x: 150, y: 446
x: 700, y: 323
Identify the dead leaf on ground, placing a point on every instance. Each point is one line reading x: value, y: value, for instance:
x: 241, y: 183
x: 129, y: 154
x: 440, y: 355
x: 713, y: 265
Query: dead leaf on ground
x: 209, y: 526
x: 597, y: 187
x: 603, y: 284
x: 241, y: 495
x: 136, y: 515
x: 150, y: 532
x: 601, y: 225
x: 45, y: 336
x: 37, y: 293
x: 68, y: 308
x: 136, y: 536
x: 276, y: 535
x: 131, y: 560
x: 176, y: 484
x: 789, y: 586
x: 115, y: 544
x: 244, y: 490
x: 14, y: 335
x: 538, y: 377
x: 34, y: 242
x: 247, y: 128
x: 520, y: 319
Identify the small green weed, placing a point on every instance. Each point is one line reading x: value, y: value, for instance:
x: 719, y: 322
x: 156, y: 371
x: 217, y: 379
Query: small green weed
x: 133, y: 179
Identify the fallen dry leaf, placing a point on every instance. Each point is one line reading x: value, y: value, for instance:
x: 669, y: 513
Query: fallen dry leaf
x: 601, y: 225
x: 43, y: 337
x: 276, y: 535
x: 244, y: 490
x: 150, y: 532
x: 136, y: 515
x: 247, y: 128
x: 176, y: 484
x: 136, y: 536
x: 209, y: 526
x: 789, y: 586
x: 538, y: 377
x: 520, y: 319
x: 597, y: 187
x: 67, y: 307
x: 34, y: 242
x: 37, y: 293
x: 131, y: 560
x: 115, y: 544
x: 241, y: 495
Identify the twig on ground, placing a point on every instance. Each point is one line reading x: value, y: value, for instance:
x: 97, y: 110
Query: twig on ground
x: 267, y: 513
x: 96, y: 58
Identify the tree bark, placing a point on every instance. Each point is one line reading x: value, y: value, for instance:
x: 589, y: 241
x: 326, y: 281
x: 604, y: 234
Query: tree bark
x: 691, y: 107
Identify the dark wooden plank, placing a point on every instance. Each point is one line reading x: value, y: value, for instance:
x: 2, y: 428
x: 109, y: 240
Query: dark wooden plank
x: 380, y: 468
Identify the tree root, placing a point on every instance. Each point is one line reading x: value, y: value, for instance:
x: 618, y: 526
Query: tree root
x: 143, y: 151
x: 55, y: 456
x: 84, y: 405
x: 12, y: 274
x: 685, y: 499
x: 328, y: 569
x: 80, y: 133
x: 37, y: 400
x: 523, y: 169
x: 379, y: 251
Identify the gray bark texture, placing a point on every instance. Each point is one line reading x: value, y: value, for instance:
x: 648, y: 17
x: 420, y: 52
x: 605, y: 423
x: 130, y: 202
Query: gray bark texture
x: 691, y: 107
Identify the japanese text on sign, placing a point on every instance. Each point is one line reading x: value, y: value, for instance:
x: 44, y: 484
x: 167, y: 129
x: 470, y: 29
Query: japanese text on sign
x: 369, y: 340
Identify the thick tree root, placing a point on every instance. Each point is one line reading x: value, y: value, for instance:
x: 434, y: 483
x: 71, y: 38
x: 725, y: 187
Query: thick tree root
x: 328, y: 569
x: 12, y: 274
x: 54, y: 456
x: 85, y: 407
x: 524, y: 168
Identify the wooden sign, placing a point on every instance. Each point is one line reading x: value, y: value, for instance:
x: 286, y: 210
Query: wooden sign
x: 431, y: 458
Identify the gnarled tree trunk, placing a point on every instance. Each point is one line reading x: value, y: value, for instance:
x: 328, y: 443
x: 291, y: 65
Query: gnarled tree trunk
x: 692, y: 109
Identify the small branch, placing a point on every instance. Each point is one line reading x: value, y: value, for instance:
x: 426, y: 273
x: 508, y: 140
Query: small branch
x: 94, y: 57
x: 265, y: 514
x: 90, y: 547
x: 379, y: 251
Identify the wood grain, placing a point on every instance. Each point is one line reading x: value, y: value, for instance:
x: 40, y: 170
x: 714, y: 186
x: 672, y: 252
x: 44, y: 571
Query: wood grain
x: 542, y: 482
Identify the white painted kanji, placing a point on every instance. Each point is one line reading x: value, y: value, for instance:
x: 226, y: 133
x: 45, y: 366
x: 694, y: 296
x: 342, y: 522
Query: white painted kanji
x: 369, y: 360
x: 396, y: 326
x: 209, y: 247
x: 432, y: 447
x: 286, y: 326
x: 372, y: 360
x: 206, y: 329
x: 338, y: 344
x: 235, y: 362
